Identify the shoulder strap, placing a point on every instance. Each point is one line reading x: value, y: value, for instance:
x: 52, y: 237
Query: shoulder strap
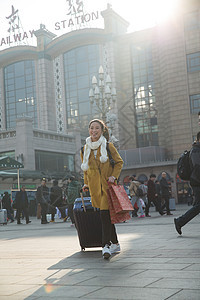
x: 82, y: 150
x: 112, y: 162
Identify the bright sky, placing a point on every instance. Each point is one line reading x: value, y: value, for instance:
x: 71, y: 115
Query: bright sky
x: 139, y: 13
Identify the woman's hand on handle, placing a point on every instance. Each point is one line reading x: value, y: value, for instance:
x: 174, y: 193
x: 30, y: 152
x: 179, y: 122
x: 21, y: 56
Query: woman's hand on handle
x: 85, y: 188
x: 111, y: 179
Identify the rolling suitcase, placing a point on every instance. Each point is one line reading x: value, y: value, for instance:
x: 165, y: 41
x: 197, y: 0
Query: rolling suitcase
x: 3, y: 216
x: 88, y: 223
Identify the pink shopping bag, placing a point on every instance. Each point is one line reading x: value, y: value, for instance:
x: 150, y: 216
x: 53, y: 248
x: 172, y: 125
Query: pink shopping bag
x: 119, y: 204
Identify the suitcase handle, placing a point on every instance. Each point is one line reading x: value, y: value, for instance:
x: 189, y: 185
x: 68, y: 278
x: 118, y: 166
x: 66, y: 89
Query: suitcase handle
x: 83, y: 201
x: 84, y: 208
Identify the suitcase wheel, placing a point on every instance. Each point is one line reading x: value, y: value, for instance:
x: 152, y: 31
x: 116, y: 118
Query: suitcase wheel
x: 82, y: 249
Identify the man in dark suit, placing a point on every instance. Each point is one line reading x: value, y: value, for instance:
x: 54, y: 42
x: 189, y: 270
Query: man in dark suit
x: 165, y: 192
x: 22, y: 205
x: 42, y: 197
x: 55, y: 199
x: 151, y: 196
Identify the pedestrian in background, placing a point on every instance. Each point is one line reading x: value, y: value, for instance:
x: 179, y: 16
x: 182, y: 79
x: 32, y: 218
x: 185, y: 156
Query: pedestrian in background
x: 55, y: 199
x: 144, y: 188
x: 158, y: 193
x: 151, y: 196
x: 135, y: 197
x: 21, y: 200
x: 165, y: 194
x: 195, y: 184
x: 6, y: 203
x: 42, y: 197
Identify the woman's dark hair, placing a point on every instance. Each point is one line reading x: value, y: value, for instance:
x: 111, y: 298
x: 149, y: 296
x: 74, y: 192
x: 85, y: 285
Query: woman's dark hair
x: 103, y: 127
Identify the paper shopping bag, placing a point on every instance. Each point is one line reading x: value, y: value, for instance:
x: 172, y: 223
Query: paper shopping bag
x: 116, y: 217
x: 119, y: 197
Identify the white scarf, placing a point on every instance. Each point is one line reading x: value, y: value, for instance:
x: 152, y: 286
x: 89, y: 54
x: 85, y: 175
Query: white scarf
x: 94, y: 146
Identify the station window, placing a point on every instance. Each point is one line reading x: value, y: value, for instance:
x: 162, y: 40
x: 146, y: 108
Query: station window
x: 193, y: 62
x: 195, y: 103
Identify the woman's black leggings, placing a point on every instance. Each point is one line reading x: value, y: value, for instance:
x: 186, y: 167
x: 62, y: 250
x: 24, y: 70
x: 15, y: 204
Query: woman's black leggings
x: 108, y: 229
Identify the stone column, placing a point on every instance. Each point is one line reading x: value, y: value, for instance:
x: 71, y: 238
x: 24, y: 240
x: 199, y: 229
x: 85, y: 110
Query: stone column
x: 46, y: 107
x: 24, y: 142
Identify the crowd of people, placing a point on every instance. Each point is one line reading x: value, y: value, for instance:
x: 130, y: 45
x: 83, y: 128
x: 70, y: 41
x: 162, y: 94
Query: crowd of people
x: 143, y: 195
x: 154, y: 192
x: 48, y: 201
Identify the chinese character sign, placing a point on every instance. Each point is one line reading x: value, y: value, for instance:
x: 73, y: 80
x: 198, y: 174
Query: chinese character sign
x: 75, y: 7
x: 13, y: 20
x: 17, y: 35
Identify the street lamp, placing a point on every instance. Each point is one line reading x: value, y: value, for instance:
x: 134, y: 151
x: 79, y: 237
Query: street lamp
x: 102, y: 93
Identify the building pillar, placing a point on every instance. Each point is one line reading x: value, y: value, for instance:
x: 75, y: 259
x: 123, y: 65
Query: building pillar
x: 45, y: 81
x: 24, y: 143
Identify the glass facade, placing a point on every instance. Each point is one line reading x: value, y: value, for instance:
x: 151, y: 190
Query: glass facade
x: 80, y: 65
x: 20, y: 94
x: 53, y: 162
x: 144, y: 98
x: 195, y: 104
x: 193, y: 62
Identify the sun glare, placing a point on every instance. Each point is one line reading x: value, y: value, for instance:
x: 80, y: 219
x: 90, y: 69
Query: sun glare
x: 164, y: 10
x: 145, y: 13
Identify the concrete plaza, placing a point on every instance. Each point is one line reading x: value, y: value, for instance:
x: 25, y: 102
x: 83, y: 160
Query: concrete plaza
x: 45, y: 262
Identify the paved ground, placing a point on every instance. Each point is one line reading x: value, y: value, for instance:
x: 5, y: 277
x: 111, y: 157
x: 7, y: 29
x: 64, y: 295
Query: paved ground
x: 45, y: 262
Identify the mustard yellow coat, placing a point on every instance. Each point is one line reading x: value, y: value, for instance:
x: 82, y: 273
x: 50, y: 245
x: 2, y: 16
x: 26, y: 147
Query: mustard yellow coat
x: 97, y: 175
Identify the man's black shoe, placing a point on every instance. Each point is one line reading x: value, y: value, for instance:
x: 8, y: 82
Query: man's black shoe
x: 178, y: 227
x: 28, y: 222
x: 162, y: 213
x: 19, y: 223
x: 45, y: 222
